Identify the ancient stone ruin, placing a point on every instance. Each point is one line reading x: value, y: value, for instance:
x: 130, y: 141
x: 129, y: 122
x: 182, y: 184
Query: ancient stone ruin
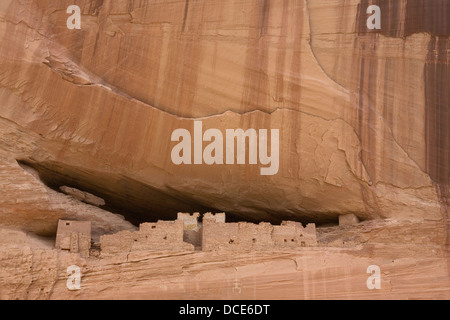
x: 159, y: 236
x: 192, y: 228
x: 219, y: 235
x: 188, y: 234
x: 74, y: 236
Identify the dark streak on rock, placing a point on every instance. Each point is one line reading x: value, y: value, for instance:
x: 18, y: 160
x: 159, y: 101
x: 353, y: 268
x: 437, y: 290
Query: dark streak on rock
x: 186, y: 10
x: 437, y: 100
x: 256, y: 82
x: 265, y: 18
x: 402, y: 18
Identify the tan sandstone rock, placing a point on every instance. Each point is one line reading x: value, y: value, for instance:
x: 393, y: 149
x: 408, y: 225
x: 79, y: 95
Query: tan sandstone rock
x: 271, y: 73
x: 363, y: 120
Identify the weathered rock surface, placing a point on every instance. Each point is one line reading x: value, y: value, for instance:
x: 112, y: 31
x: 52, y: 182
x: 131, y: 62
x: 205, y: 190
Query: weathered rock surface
x: 351, y: 140
x: 364, y: 130
x: 410, y: 256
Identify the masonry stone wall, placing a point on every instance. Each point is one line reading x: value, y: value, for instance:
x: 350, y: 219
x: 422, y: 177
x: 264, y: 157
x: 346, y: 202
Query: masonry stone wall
x: 190, y: 220
x: 74, y: 236
x: 159, y: 236
x: 213, y: 234
x: 192, y: 226
x: 249, y: 236
x: 218, y: 217
x: 292, y: 234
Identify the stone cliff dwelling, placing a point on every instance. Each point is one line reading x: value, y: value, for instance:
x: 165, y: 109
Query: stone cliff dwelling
x: 219, y: 235
x: 162, y: 235
x: 192, y: 228
x: 74, y: 236
x: 187, y: 233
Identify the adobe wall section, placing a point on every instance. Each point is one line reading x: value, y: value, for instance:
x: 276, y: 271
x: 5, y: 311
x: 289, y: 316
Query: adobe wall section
x: 218, y: 217
x: 74, y: 236
x: 293, y: 235
x: 192, y: 226
x: 190, y: 220
x: 243, y: 236
x: 159, y: 236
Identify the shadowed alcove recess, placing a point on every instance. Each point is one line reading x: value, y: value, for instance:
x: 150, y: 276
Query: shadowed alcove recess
x: 135, y: 201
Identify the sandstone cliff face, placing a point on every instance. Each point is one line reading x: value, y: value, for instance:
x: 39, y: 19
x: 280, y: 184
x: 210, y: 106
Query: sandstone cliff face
x: 399, y: 76
x: 363, y: 115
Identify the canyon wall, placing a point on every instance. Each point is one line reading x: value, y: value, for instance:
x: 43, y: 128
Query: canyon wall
x: 360, y: 129
x: 362, y: 115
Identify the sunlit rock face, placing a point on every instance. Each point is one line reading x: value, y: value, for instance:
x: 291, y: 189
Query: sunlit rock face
x: 362, y: 115
x: 313, y: 111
